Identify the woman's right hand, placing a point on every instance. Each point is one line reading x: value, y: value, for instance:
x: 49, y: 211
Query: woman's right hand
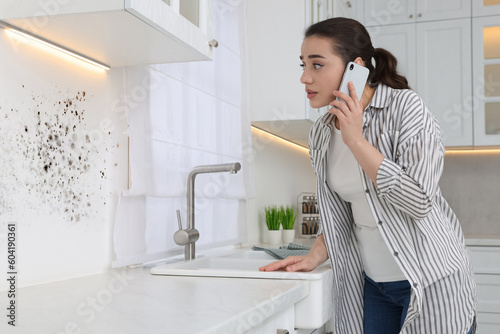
x: 293, y: 263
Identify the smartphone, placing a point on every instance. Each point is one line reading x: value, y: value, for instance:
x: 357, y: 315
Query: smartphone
x: 358, y: 75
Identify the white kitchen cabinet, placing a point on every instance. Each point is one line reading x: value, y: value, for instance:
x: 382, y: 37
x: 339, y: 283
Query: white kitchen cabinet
x: 278, y: 102
x: 277, y: 324
x: 377, y: 13
x: 486, y: 263
x: 349, y: 8
x: 386, y: 12
x: 485, y: 7
x: 441, y: 52
x: 443, y: 78
x: 119, y: 32
x: 486, y: 80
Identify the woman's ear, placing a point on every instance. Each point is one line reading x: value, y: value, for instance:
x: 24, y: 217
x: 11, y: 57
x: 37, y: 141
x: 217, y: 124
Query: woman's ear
x: 359, y: 61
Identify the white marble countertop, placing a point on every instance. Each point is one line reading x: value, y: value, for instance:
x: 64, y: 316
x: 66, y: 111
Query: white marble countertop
x: 134, y: 301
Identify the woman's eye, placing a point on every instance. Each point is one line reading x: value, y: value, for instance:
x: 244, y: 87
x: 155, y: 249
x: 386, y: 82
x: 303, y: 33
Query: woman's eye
x: 316, y: 66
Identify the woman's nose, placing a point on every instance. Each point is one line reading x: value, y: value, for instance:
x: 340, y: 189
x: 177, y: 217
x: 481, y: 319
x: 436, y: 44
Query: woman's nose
x: 305, y: 78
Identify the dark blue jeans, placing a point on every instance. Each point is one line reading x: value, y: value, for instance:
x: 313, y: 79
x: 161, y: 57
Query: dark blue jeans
x: 385, y: 306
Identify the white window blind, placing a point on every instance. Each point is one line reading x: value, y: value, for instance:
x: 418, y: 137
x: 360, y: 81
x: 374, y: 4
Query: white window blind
x: 180, y: 116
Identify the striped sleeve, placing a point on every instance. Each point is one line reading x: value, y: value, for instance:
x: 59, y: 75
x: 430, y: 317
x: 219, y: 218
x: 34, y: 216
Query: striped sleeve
x: 410, y: 181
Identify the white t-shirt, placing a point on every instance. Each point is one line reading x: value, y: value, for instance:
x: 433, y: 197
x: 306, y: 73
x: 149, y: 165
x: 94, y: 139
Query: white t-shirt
x: 343, y: 177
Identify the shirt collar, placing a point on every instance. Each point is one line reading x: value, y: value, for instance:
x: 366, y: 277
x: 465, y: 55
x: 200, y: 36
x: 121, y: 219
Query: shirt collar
x: 381, y: 97
x: 380, y: 100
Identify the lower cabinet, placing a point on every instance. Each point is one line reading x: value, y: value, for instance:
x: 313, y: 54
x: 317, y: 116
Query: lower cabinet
x: 327, y: 328
x: 486, y: 263
x: 281, y: 323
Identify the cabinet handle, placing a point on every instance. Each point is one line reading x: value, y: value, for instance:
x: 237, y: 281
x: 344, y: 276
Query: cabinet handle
x: 419, y: 14
x: 213, y: 43
x: 411, y: 16
x: 282, y: 331
x: 348, y: 4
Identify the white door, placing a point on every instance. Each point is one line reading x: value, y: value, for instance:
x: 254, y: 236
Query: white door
x: 485, y: 7
x: 443, y: 78
x: 432, y: 10
x: 486, y: 80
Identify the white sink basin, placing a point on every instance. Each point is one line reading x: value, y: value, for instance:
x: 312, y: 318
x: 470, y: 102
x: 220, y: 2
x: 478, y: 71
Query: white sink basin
x: 311, y: 312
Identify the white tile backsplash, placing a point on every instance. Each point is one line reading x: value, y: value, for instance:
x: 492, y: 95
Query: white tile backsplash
x: 471, y: 185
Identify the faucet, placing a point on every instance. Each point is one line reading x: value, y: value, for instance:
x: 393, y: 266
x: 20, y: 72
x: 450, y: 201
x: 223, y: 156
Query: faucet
x: 187, y: 237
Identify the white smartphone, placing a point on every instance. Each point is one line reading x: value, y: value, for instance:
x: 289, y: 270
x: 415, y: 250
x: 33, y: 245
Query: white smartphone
x: 358, y: 75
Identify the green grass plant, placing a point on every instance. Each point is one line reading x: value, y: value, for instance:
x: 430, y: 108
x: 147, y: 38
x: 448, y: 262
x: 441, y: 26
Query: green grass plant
x: 273, y: 220
x: 289, y: 216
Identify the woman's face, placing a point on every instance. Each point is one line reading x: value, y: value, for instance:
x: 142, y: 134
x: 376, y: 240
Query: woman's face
x: 323, y: 70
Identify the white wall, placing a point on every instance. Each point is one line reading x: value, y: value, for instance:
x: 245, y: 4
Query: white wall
x: 281, y: 173
x: 63, y: 155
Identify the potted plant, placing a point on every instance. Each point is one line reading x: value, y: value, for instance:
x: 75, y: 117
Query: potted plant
x: 273, y: 222
x: 289, y: 216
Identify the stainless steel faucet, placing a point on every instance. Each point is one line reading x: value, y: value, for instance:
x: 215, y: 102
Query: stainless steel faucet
x: 187, y: 237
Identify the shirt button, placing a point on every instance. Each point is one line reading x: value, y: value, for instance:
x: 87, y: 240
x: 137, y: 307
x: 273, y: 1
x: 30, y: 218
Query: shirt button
x: 415, y: 285
x: 404, y: 169
x: 380, y: 222
x: 367, y: 191
x: 396, y: 253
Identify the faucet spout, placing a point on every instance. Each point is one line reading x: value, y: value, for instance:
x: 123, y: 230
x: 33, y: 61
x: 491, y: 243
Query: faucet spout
x: 232, y: 168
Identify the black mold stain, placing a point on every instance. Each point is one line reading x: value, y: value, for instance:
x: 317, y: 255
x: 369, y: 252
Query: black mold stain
x: 58, y: 159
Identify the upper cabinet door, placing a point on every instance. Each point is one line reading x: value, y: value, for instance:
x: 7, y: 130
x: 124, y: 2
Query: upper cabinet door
x: 431, y: 10
x: 408, y: 11
x: 444, y: 77
x: 378, y: 13
x: 485, y: 7
x: 486, y: 80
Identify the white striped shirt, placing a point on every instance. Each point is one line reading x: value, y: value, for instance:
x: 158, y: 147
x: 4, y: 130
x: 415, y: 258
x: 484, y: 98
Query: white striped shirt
x: 417, y: 224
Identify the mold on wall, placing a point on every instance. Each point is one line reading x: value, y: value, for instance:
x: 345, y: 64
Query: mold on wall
x: 63, y: 160
x: 49, y: 156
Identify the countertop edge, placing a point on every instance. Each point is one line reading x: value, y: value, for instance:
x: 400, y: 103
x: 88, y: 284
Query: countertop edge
x: 263, y: 311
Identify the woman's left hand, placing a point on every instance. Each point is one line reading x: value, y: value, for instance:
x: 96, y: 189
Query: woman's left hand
x: 349, y: 114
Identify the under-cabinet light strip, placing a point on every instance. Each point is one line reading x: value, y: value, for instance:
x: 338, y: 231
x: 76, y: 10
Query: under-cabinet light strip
x: 485, y: 150
x: 482, y: 150
x: 295, y: 145
x: 53, y: 45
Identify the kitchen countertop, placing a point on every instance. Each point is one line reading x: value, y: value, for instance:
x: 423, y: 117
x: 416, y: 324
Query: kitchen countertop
x: 134, y: 301
x: 482, y: 240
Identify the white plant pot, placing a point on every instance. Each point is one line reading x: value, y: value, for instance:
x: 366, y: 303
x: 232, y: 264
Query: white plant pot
x: 274, y: 237
x: 288, y: 236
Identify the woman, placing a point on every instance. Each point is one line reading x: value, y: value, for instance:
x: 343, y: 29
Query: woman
x: 396, y: 248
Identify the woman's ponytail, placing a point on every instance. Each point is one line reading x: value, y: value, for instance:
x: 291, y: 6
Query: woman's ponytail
x: 385, y: 70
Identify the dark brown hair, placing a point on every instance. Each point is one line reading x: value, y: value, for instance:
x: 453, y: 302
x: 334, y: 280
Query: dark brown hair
x: 351, y: 40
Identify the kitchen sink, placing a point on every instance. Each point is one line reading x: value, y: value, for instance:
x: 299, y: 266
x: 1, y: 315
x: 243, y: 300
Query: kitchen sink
x: 311, y: 312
